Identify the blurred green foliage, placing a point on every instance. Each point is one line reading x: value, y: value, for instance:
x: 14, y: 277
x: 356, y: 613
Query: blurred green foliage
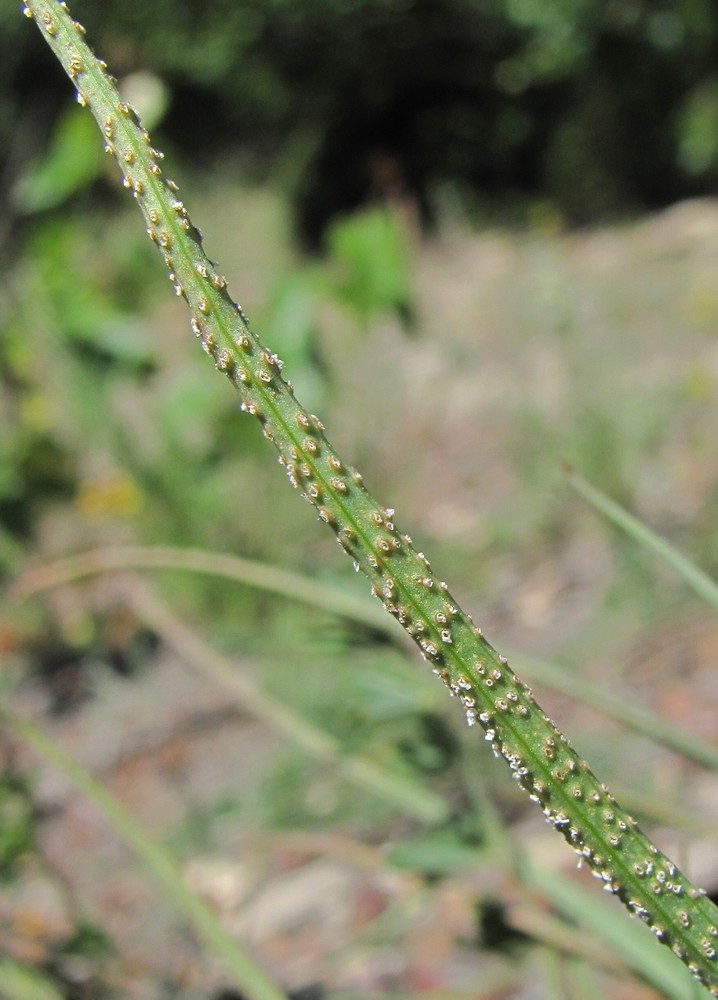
x: 74, y: 159
x: 599, y: 106
x: 16, y: 822
x: 23, y: 983
x: 371, y: 259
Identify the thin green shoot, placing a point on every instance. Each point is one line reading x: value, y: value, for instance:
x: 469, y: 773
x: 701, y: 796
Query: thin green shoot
x: 699, y: 581
x: 247, y: 975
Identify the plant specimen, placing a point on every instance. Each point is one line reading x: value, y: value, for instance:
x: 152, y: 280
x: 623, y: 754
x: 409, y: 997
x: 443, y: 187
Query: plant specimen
x: 494, y: 700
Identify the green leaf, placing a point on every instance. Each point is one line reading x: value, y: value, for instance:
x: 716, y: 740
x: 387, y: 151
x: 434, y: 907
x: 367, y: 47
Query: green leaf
x: 697, y: 130
x: 22, y: 983
x: 73, y: 161
x: 370, y: 254
x: 436, y: 855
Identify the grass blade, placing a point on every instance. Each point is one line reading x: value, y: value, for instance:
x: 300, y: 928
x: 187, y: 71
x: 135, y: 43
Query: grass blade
x: 402, y: 793
x: 255, y: 574
x: 699, y: 582
x: 248, y: 976
x: 597, y: 918
x: 621, y: 709
x: 22, y: 983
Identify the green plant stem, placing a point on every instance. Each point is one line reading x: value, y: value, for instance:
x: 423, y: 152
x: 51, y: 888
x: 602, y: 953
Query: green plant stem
x: 540, y: 757
x: 248, y: 976
x: 403, y: 794
x: 697, y: 580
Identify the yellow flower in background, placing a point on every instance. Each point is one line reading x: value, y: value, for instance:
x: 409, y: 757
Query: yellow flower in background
x: 113, y: 496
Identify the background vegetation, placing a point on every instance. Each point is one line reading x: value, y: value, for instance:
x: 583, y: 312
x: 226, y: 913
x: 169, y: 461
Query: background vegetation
x: 392, y: 181
x: 600, y: 107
